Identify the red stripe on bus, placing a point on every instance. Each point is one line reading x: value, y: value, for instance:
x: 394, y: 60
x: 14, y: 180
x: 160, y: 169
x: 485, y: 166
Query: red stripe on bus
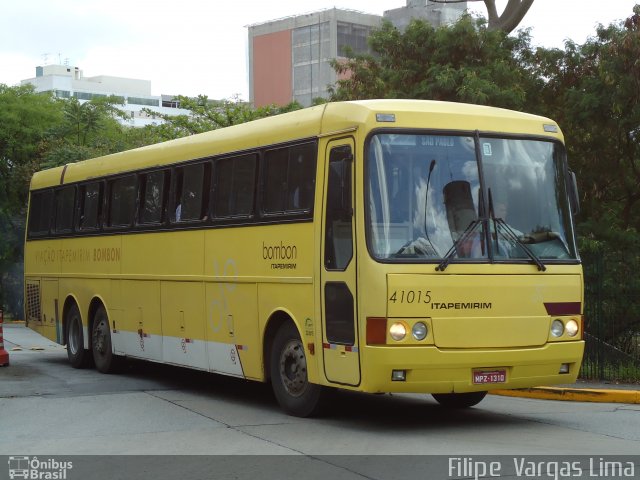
x: 563, y: 308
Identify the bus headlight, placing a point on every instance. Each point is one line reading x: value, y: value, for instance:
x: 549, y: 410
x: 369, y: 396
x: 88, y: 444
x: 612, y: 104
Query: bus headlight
x: 557, y: 328
x: 398, y: 331
x: 572, y: 328
x: 419, y: 331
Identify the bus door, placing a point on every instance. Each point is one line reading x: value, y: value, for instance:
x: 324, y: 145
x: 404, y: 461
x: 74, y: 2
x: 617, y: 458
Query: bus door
x: 338, y: 278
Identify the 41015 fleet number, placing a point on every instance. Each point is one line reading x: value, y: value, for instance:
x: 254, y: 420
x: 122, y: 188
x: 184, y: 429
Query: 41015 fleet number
x: 410, y: 296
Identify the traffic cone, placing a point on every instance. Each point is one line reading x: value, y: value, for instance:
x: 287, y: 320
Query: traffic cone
x: 4, y: 355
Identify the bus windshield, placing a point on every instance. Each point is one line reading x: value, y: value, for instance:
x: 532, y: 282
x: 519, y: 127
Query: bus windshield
x: 467, y: 197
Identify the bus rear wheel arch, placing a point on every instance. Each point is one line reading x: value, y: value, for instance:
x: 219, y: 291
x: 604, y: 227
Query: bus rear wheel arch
x: 288, y: 372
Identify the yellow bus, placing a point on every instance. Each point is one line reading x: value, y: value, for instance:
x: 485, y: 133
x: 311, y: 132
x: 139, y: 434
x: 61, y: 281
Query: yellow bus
x: 377, y: 246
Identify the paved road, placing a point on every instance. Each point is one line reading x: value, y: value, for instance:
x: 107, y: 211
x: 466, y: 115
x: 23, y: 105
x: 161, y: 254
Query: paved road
x: 48, y: 407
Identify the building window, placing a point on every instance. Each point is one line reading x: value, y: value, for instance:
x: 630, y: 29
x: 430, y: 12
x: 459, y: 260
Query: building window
x: 353, y: 37
x: 151, y: 102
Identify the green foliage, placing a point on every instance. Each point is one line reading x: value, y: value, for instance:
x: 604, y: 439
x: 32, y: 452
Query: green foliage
x: 464, y: 62
x: 593, y: 90
x: 205, y: 114
x: 26, y: 120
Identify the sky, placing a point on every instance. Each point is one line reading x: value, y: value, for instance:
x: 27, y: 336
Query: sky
x: 192, y: 47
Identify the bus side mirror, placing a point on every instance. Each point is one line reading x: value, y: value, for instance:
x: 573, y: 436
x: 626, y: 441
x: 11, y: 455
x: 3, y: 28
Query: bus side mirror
x: 574, y: 198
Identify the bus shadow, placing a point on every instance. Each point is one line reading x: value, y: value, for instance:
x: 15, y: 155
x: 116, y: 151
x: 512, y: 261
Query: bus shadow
x: 388, y: 412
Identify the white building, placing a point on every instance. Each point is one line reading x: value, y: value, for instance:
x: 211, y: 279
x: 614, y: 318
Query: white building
x: 65, y: 81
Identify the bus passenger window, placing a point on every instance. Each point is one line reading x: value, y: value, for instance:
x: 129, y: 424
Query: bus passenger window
x: 40, y: 210
x: 122, y: 201
x: 302, y: 174
x: 190, y: 196
x: 234, y: 186
x: 90, y: 203
x: 153, y: 185
x: 275, y: 187
x: 289, y: 183
x: 65, y: 203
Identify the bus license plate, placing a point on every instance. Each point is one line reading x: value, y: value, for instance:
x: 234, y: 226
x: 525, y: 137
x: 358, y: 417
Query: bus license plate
x: 493, y: 376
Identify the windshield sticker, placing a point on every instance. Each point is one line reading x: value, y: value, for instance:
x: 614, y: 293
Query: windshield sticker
x: 486, y: 149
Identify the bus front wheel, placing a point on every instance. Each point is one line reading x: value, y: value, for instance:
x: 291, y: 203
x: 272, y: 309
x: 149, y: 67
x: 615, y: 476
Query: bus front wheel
x: 459, y: 400
x: 105, y: 360
x: 289, y: 379
x: 78, y: 356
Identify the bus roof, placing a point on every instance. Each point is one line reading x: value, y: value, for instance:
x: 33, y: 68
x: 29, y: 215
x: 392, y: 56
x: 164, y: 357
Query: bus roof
x: 306, y: 123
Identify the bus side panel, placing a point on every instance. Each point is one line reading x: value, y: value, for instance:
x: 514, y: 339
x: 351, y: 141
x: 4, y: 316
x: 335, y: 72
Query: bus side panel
x: 231, y: 326
x: 41, y: 269
x: 50, y: 325
x: 142, y: 318
x: 183, y: 324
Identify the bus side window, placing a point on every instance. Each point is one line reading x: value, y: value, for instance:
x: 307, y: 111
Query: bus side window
x: 65, y: 205
x: 90, y: 206
x: 302, y: 175
x: 275, y: 180
x: 40, y: 212
x: 191, y: 189
x: 152, y: 197
x: 122, y: 201
x: 234, y: 183
x: 289, y: 179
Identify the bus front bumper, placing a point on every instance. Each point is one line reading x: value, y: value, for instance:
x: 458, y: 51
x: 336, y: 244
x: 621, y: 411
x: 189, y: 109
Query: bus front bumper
x: 433, y: 370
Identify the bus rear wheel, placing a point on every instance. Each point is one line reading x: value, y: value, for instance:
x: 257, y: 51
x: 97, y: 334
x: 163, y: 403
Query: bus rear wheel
x: 78, y: 356
x: 288, y: 368
x: 459, y: 400
x: 103, y: 357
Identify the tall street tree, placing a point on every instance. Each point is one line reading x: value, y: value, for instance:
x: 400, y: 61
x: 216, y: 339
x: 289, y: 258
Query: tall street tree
x: 508, y: 20
x: 26, y: 120
x: 464, y: 62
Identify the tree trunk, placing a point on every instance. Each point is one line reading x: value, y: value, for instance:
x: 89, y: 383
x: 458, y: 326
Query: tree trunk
x: 513, y: 14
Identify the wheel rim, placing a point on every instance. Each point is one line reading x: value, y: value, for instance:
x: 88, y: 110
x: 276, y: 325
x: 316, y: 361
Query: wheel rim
x: 100, y: 333
x: 293, y: 368
x: 74, y: 335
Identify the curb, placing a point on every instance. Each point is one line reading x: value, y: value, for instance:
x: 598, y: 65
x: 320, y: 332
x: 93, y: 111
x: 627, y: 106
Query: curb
x: 573, y: 394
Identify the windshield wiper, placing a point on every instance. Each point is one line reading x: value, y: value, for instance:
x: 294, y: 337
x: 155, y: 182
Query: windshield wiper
x: 512, y: 236
x: 454, y: 248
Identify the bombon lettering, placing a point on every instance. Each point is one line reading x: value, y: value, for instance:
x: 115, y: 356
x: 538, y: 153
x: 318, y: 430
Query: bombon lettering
x: 279, y: 252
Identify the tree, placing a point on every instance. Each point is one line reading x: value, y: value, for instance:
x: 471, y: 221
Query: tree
x: 88, y: 129
x: 464, y: 62
x: 26, y: 119
x: 593, y: 90
x: 205, y: 114
x: 513, y: 13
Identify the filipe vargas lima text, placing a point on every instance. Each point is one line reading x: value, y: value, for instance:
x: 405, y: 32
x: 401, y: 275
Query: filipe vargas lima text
x: 591, y: 467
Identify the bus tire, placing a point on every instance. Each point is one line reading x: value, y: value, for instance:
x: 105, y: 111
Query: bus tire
x: 78, y: 356
x: 289, y: 380
x: 103, y: 357
x: 459, y: 400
